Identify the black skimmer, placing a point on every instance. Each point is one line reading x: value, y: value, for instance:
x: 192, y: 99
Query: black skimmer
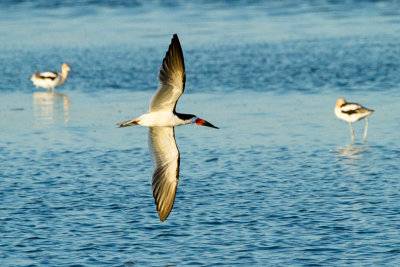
x: 161, y: 120
x: 352, y: 112
x: 50, y: 79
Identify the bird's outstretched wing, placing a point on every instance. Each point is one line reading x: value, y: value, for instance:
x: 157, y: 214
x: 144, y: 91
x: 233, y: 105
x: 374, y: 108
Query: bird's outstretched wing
x: 165, y: 153
x: 172, y: 79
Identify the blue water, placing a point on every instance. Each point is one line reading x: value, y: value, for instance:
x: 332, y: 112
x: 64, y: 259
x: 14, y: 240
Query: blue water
x: 278, y: 185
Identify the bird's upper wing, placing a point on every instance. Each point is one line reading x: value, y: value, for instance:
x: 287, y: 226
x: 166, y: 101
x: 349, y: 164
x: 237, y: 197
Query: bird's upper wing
x: 48, y: 75
x: 165, y: 153
x: 172, y: 79
x: 350, y: 107
x: 353, y: 108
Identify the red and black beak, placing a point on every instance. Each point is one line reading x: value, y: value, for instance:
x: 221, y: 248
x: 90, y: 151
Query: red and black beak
x: 205, y: 123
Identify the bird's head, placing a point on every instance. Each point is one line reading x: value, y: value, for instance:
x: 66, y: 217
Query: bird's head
x: 190, y: 118
x: 340, y: 102
x: 65, y: 67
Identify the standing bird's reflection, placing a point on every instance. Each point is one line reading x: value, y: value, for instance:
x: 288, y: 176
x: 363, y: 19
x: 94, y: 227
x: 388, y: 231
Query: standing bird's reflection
x: 351, y: 152
x: 50, y: 107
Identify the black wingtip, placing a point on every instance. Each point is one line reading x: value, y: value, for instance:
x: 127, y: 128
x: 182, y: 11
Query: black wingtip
x: 175, y: 40
x: 173, y: 60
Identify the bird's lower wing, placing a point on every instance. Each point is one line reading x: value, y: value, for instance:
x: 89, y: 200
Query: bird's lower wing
x: 165, y: 153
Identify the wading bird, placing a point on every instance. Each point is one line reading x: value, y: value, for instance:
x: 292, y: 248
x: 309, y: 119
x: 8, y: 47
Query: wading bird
x: 161, y: 120
x: 50, y: 79
x: 352, y: 112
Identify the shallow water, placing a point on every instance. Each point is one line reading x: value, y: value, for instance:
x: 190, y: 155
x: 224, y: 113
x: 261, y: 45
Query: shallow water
x: 278, y: 184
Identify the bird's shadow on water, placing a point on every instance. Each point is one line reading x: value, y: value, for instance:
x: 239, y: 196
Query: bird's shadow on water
x: 50, y: 107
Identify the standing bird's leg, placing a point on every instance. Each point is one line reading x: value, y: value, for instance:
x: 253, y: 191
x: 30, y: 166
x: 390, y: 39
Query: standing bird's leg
x: 365, y: 131
x: 352, y: 133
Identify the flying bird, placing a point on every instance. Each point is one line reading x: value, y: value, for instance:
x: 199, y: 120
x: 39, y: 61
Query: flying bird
x: 352, y: 112
x: 50, y: 79
x: 161, y: 120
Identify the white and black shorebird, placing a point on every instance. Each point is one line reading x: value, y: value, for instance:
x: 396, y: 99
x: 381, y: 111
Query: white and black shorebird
x: 352, y: 112
x: 161, y: 120
x: 50, y: 79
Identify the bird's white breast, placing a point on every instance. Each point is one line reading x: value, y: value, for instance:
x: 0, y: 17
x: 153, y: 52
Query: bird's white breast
x: 161, y: 118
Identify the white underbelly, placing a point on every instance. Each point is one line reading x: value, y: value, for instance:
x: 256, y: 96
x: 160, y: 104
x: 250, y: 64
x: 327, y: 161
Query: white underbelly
x: 45, y: 83
x: 349, y: 118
